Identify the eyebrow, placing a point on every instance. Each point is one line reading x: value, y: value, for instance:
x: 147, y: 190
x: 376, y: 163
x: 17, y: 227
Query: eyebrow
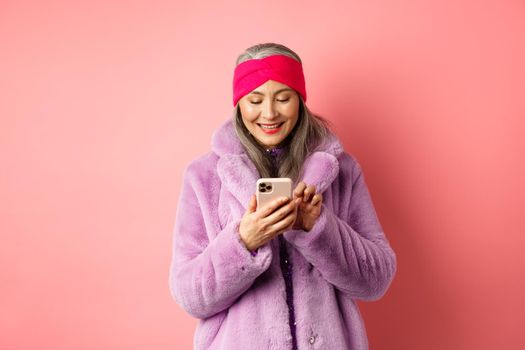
x: 278, y: 91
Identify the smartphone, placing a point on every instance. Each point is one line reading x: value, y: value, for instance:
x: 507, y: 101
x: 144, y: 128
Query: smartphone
x: 270, y: 188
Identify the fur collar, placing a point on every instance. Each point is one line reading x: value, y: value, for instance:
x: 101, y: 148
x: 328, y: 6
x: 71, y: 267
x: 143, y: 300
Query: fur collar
x: 238, y: 173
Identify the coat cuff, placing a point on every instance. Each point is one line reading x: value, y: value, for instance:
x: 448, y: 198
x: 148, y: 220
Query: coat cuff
x: 302, y: 238
x: 257, y: 261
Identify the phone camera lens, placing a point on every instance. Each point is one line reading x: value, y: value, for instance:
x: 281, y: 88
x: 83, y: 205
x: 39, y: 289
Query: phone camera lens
x: 265, y: 187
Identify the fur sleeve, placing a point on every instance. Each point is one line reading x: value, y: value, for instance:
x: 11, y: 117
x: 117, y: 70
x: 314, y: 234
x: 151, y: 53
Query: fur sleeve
x: 353, y: 254
x: 208, y: 275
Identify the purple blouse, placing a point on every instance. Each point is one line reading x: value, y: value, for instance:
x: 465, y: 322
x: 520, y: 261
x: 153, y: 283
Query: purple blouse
x: 286, y: 265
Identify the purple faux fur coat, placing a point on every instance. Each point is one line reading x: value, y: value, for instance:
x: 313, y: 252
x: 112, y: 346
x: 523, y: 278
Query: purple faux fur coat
x: 239, y: 298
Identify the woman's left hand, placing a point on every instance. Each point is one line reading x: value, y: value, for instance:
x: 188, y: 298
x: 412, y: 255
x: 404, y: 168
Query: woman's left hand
x: 310, y: 207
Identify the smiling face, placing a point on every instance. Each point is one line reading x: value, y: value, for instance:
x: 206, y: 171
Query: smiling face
x: 270, y: 112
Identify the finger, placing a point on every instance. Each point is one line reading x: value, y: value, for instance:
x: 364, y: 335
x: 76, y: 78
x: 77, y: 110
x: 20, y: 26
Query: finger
x: 252, y: 205
x: 272, y: 206
x: 282, y: 225
x: 298, y: 191
x: 317, y: 198
x: 308, y: 192
x: 282, y: 212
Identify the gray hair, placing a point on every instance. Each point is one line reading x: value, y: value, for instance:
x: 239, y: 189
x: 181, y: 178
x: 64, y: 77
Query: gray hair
x: 308, y: 133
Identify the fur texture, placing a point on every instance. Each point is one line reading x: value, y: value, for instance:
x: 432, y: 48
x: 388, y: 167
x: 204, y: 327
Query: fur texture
x: 239, y: 298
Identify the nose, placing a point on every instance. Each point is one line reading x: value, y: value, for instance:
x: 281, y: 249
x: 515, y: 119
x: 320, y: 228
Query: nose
x: 268, y: 110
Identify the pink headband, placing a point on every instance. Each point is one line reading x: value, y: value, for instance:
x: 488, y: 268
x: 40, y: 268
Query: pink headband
x: 252, y: 73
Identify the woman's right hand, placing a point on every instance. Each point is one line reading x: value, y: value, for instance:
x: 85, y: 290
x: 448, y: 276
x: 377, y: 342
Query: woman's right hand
x: 259, y: 226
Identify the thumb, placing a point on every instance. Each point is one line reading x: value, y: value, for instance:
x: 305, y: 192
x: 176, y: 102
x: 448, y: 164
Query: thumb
x: 252, y: 206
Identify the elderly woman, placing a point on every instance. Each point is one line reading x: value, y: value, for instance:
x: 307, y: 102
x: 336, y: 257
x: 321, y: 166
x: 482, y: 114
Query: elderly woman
x: 286, y: 275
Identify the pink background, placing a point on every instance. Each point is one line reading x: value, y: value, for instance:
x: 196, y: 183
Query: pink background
x: 103, y: 104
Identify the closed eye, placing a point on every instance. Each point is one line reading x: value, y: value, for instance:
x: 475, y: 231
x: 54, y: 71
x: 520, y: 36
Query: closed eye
x: 258, y: 102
